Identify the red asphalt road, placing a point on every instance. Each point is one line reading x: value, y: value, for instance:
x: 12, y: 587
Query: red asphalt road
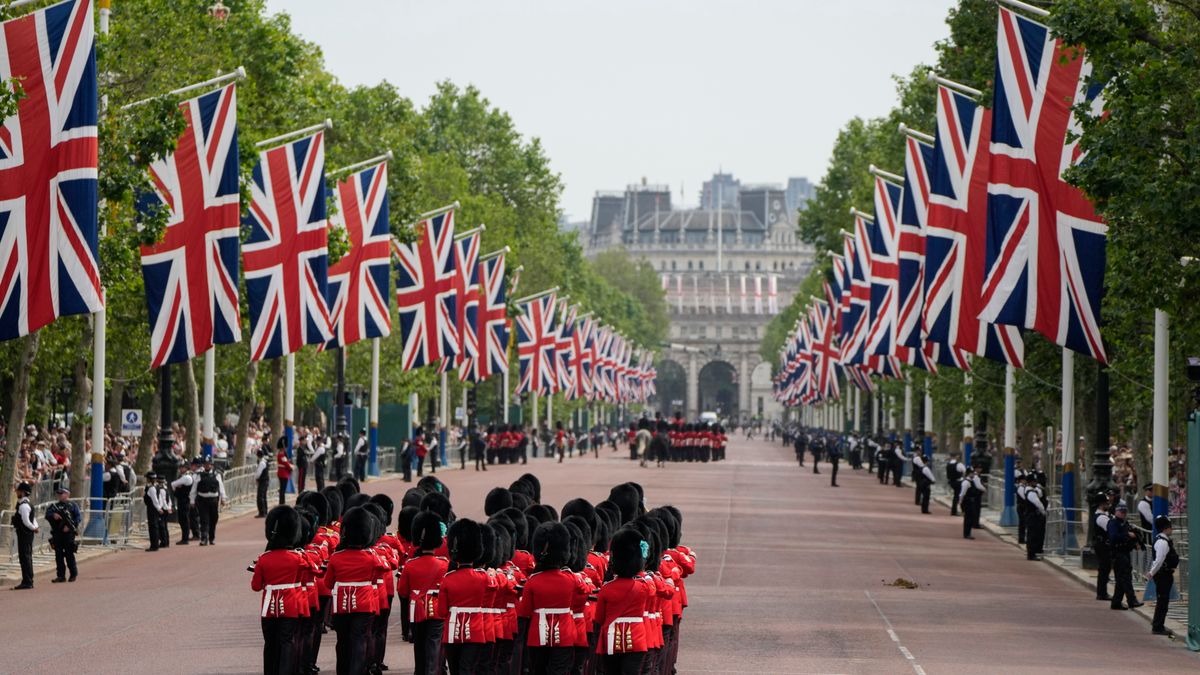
x: 792, y: 578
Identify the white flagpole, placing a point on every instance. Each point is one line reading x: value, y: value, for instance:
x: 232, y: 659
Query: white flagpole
x: 928, y: 440
x: 1068, y: 443
x: 373, y: 412
x: 444, y: 405
x: 504, y: 377
x: 1159, y: 466
x: 289, y: 404
x: 210, y: 377
x: 908, y: 414
x: 1008, y: 515
x: 99, y: 353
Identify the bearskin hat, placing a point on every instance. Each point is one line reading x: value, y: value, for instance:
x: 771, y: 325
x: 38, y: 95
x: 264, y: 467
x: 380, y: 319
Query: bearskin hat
x: 504, y: 543
x: 672, y: 524
x: 662, y: 523
x: 611, y: 514
x: 521, y: 486
x: 488, y: 551
x: 336, y: 503
x: 625, y: 553
x: 381, y: 520
x: 520, y: 527
x: 385, y: 502
x: 678, y: 520
x: 437, y: 503
x: 543, y: 513
x: 282, y: 528
x: 464, y: 540
x: 357, y: 529
x: 309, y: 521
x: 531, y: 526
x: 650, y: 534
x: 412, y: 497
x: 434, y: 484
x: 627, y: 499
x: 537, y: 487
x: 317, y: 502
x: 601, y: 536
x: 404, y: 522
x: 520, y: 500
x: 579, y: 507
x: 348, y: 485
x: 427, y: 530
x: 357, y: 499
x: 575, y: 561
x: 496, y: 501
x: 551, y: 546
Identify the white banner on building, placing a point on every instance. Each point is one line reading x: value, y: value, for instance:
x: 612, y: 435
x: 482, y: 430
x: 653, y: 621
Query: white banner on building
x: 743, y: 280
x: 758, y: 307
x: 728, y: 297
x: 772, y: 295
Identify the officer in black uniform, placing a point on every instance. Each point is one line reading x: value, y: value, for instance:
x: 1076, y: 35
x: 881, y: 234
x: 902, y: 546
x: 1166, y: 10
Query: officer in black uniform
x: 834, y: 453
x: 1100, y: 545
x: 1035, y: 519
x: 954, y: 476
x: 1162, y: 570
x: 971, y: 497
x: 923, y: 477
x: 26, y: 527
x: 801, y: 445
x: 1122, y: 540
x: 64, y: 518
x: 207, y: 494
x: 188, y: 518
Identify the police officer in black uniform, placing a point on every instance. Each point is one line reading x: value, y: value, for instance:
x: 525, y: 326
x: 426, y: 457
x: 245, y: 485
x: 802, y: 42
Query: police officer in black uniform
x: 1100, y: 545
x: 64, y: 518
x: 1162, y: 570
x: 206, y: 496
x: 26, y: 527
x: 1122, y: 540
x: 954, y: 476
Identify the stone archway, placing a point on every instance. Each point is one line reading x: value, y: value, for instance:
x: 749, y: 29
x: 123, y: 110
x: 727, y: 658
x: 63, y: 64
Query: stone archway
x: 671, y: 388
x: 718, y: 389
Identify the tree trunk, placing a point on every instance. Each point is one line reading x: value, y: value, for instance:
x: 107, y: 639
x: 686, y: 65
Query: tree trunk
x: 149, y: 439
x: 116, y: 399
x: 80, y: 457
x: 247, y: 409
x: 16, y: 419
x: 191, y: 411
x: 277, y: 383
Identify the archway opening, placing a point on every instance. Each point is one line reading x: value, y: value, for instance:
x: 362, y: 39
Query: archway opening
x: 671, y: 388
x: 719, y: 389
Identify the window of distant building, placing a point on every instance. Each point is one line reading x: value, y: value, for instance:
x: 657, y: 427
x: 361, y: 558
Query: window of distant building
x: 758, y: 265
x: 701, y: 265
x: 689, y: 264
x: 747, y: 264
x: 672, y: 264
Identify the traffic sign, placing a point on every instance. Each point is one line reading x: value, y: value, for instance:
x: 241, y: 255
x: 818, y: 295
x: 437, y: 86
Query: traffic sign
x: 131, y: 422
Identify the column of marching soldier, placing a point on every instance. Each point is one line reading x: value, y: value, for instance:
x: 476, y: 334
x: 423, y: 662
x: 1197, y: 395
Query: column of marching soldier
x: 588, y: 589
x: 1112, y: 538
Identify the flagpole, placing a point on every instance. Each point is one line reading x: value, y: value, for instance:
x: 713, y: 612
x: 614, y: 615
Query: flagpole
x: 1068, y: 446
x: 535, y: 296
x: 238, y: 74
x: 99, y: 354
x: 1008, y: 515
x: 444, y: 413
x: 323, y: 126
x: 968, y: 421
x: 956, y: 86
x: 373, y: 413
x: 536, y: 427
x: 380, y: 159
x: 1160, y: 457
x: 208, y: 433
x: 928, y: 440
x: 886, y: 175
x: 289, y: 406
x: 1017, y: 4
x: 908, y: 414
x: 504, y: 398
x: 913, y: 133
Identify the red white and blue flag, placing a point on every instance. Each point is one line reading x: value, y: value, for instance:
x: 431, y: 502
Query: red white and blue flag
x: 425, y: 293
x: 536, y: 345
x: 491, y: 323
x: 956, y: 233
x: 1045, y: 245
x: 581, y: 358
x: 466, y: 302
x: 856, y: 321
x: 191, y: 276
x: 357, y: 285
x: 286, y: 255
x: 885, y: 268
x: 48, y: 169
x: 564, y: 349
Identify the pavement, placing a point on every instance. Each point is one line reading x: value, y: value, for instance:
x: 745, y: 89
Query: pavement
x: 794, y: 576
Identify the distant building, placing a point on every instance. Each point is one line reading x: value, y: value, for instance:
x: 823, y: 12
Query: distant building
x: 719, y: 310
x: 799, y: 191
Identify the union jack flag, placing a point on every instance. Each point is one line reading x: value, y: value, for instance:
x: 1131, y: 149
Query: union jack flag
x: 602, y: 364
x: 581, y: 361
x: 425, y: 293
x: 191, y: 276
x: 565, y: 349
x: 535, y: 346
x: 466, y: 304
x: 1045, y: 244
x: 914, y: 211
x: 357, y: 290
x: 48, y: 160
x: 491, y: 324
x: 286, y: 255
x: 857, y: 319
x: 885, y: 268
x: 955, y: 237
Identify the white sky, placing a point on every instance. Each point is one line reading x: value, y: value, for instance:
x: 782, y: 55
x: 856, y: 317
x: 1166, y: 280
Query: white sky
x: 665, y: 89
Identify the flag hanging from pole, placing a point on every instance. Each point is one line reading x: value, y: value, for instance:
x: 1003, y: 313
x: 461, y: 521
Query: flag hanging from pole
x: 48, y: 169
x: 357, y: 284
x: 425, y: 293
x: 191, y: 276
x: 536, y: 345
x: 885, y: 268
x: 466, y: 299
x: 491, y: 323
x: 565, y: 349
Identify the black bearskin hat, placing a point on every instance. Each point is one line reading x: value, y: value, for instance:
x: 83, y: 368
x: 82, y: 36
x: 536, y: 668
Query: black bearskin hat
x: 464, y: 540
x: 678, y: 520
x: 531, y: 526
x: 437, y: 503
x: 282, y: 528
x: 336, y: 503
x: 584, y: 545
x: 600, y: 536
x: 551, y: 546
x: 521, y: 486
x: 504, y: 542
x: 385, y: 502
x: 576, y: 560
x: 579, y: 507
x: 521, y: 500
x: 357, y: 528
x: 427, y: 531
x: 348, y: 485
x: 543, y: 513
x: 650, y: 534
x: 627, y: 499
x: 434, y: 484
x: 317, y: 502
x: 357, y: 499
x: 672, y: 524
x: 381, y: 521
x: 412, y: 497
x: 611, y: 513
x: 308, y: 525
x: 537, y: 486
x: 496, y: 501
x: 488, y: 550
x: 404, y: 522
x: 625, y: 554
x: 520, y: 527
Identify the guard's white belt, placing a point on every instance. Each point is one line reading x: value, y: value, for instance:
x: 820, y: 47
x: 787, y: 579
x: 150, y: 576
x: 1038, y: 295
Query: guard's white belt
x: 612, y: 630
x: 544, y: 623
x: 269, y: 595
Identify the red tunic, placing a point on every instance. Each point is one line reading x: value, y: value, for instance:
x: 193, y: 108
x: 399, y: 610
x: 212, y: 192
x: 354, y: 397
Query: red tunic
x: 671, y: 575
x: 419, y: 582
x: 687, y: 567
x: 506, y: 598
x: 464, y: 604
x: 620, y: 613
x: 350, y: 578
x: 547, y: 602
x: 279, y: 575
x: 524, y: 562
x: 283, y: 465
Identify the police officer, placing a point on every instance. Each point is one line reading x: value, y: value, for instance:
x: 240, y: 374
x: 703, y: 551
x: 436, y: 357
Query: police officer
x: 1122, y: 540
x: 262, y: 481
x: 1100, y: 545
x: 1145, y: 507
x: 955, y: 470
x: 26, y: 527
x: 1162, y: 570
x: 1035, y: 518
x: 923, y: 477
x: 971, y: 497
x: 835, y: 455
x: 208, y: 492
x: 318, y: 447
x: 64, y: 518
x: 155, y: 523
x: 898, y: 460
x: 188, y: 518
x: 362, y: 450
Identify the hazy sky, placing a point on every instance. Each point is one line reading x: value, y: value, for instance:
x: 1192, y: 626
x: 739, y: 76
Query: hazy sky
x: 668, y: 90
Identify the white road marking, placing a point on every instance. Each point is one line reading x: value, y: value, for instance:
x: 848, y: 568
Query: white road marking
x: 728, y: 518
x: 912, y: 660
